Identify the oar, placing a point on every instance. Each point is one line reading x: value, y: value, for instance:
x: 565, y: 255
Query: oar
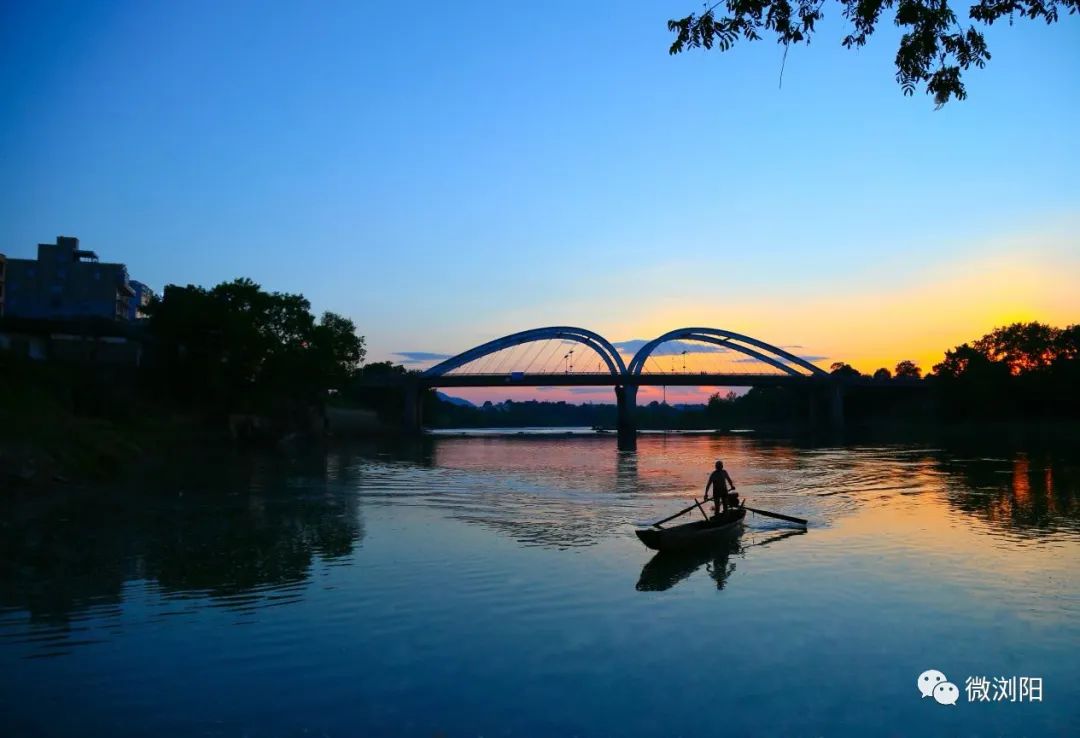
x: 683, y: 512
x: 699, y: 507
x: 768, y: 514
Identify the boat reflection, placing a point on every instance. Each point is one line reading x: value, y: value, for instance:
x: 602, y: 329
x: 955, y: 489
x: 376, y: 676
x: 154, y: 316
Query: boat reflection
x: 667, y: 568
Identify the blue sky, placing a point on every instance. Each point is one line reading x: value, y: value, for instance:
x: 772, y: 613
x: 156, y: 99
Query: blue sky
x: 445, y: 173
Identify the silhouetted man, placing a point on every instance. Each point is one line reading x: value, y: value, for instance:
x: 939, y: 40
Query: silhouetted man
x: 719, y: 481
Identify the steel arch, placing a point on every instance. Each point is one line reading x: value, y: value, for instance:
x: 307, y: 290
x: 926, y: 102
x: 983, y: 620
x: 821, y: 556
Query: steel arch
x: 595, y: 341
x: 721, y: 337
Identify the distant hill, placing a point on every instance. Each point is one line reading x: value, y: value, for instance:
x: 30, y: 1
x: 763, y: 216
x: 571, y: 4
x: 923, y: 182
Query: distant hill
x: 453, y: 400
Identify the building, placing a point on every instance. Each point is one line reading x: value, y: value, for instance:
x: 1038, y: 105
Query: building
x: 65, y: 283
x: 142, y: 297
x: 84, y: 340
x: 3, y: 278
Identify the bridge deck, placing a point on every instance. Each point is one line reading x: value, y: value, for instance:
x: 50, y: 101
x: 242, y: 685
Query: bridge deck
x: 605, y: 379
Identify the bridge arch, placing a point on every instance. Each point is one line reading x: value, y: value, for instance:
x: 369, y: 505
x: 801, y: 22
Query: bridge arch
x: 768, y: 354
x: 608, y: 353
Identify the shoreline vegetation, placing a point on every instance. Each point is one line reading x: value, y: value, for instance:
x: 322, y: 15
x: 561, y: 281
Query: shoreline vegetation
x: 236, y: 366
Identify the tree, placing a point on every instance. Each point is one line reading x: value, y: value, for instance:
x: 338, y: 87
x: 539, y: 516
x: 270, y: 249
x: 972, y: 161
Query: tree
x: 1023, y: 347
x: 1068, y: 344
x: 842, y: 369
x: 237, y: 347
x: 337, y: 348
x: 882, y: 374
x: 959, y: 361
x: 908, y: 369
x: 934, y: 49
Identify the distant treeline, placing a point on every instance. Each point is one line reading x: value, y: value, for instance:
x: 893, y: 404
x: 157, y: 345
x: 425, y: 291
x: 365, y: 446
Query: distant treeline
x: 759, y: 404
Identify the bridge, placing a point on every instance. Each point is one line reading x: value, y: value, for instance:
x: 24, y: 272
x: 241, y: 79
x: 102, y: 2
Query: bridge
x: 568, y: 356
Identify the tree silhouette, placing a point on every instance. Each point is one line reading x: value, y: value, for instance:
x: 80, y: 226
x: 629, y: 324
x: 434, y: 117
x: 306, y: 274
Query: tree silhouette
x: 909, y: 369
x: 1023, y: 369
x: 843, y: 369
x: 934, y: 48
x: 1023, y: 347
x: 236, y: 346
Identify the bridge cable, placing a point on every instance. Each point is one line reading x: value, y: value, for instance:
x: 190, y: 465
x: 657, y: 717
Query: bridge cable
x: 506, y: 354
x: 536, y: 353
x: 472, y: 366
x: 556, y: 347
x: 497, y: 357
x: 541, y: 346
x: 484, y: 361
x: 551, y: 345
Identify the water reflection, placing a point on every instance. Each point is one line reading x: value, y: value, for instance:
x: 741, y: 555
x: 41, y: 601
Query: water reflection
x: 215, y: 531
x: 667, y: 568
x: 1025, y: 493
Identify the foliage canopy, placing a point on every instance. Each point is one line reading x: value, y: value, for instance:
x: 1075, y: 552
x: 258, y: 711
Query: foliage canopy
x: 236, y: 346
x: 934, y: 49
x: 1030, y: 369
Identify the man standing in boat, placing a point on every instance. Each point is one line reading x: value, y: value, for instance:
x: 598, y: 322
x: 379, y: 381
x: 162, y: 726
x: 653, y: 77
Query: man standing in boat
x: 718, y: 482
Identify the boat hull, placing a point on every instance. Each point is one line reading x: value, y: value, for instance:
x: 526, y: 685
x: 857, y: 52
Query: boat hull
x: 690, y: 536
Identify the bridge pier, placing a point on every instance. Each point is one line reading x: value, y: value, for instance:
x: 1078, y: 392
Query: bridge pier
x: 836, y: 405
x: 812, y: 408
x: 625, y: 403
x: 412, y: 421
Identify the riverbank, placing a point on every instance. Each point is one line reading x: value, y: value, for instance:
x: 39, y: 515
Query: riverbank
x: 64, y: 423
x: 44, y: 445
x: 54, y: 448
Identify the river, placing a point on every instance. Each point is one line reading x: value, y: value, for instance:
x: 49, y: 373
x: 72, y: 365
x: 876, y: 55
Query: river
x: 491, y: 585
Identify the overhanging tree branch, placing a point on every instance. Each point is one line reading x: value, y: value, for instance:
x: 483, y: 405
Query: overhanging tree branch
x: 934, y: 50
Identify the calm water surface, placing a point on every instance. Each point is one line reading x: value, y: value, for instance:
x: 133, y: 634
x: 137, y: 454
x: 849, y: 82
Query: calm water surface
x: 493, y: 586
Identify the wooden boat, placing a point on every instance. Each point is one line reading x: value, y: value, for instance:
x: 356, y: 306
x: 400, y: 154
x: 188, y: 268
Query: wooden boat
x: 698, y: 534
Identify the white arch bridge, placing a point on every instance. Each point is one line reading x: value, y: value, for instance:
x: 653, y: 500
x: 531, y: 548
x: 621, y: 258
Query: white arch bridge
x: 567, y: 356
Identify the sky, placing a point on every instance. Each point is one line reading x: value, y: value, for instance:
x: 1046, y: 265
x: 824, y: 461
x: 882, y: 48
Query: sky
x: 445, y: 174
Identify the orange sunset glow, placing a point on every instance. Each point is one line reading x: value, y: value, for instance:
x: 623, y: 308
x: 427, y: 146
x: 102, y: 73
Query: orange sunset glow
x: 912, y: 314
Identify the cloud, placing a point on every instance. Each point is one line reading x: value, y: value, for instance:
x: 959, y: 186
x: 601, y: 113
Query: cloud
x: 805, y: 357
x: 605, y: 391
x: 419, y: 357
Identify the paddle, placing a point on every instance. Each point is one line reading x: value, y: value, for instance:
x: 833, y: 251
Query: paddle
x: 683, y: 512
x: 768, y: 514
x: 699, y: 507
